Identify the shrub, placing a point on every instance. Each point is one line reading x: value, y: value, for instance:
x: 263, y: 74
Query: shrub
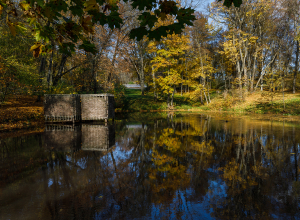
x: 62, y: 88
x: 119, y: 92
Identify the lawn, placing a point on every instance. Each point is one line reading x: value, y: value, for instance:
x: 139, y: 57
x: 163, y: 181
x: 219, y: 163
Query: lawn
x: 135, y: 101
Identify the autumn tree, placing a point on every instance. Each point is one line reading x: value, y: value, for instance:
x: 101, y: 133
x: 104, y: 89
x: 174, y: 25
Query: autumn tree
x: 202, y: 63
x: 255, y: 35
x: 169, y: 60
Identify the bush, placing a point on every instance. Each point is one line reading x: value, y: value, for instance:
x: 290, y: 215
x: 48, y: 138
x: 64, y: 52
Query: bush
x: 8, y: 79
x: 119, y: 93
x: 62, y: 88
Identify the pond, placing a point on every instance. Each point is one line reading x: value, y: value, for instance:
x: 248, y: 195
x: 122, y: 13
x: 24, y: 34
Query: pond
x: 154, y: 166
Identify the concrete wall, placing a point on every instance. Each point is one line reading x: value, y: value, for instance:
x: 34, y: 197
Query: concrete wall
x: 62, y: 107
x: 94, y: 107
x: 79, y: 107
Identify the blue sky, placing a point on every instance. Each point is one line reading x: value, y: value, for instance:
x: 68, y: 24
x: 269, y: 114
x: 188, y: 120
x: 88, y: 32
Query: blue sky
x: 202, y: 5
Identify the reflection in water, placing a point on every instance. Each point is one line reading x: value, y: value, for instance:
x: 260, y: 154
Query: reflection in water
x: 97, y: 137
x: 71, y: 138
x: 187, y: 167
x: 65, y: 138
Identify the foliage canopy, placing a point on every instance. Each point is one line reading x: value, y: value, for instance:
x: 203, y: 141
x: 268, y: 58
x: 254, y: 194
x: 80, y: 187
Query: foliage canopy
x: 70, y: 22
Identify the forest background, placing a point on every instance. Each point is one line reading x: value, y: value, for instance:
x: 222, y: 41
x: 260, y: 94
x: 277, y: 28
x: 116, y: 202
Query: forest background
x: 245, y: 59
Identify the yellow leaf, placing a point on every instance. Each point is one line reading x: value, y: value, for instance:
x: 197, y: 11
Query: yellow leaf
x: 87, y: 24
x: 24, y: 5
x: 35, y: 46
x: 163, y: 16
x: 112, y: 2
x: 37, y: 49
x: 1, y: 8
x: 49, y: 12
x: 11, y: 27
x: 32, y: 20
x: 91, y: 5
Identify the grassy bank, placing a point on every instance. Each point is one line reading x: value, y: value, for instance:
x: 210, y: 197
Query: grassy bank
x: 134, y: 101
x: 24, y: 112
x: 258, y: 102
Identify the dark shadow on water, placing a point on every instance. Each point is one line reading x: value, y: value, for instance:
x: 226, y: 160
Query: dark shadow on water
x: 154, y: 166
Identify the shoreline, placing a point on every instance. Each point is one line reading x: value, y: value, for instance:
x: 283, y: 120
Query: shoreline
x: 24, y: 112
x: 38, y: 125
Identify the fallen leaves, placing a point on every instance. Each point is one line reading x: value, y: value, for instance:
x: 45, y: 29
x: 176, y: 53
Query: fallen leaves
x: 21, y: 112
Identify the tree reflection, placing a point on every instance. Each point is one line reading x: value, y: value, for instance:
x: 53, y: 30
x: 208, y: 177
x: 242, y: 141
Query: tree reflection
x: 166, y: 168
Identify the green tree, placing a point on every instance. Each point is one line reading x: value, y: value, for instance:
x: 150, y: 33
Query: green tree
x: 53, y: 20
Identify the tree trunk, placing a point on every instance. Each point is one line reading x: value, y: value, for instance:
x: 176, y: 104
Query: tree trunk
x: 94, y: 72
x: 205, y: 95
x: 154, y: 84
x: 181, y: 84
x: 201, y: 98
x: 172, y: 98
x: 283, y: 91
x: 253, y: 71
x: 49, y: 76
x: 60, y: 70
x: 142, y: 76
x: 296, y: 67
x: 208, y: 94
x: 238, y: 68
x: 41, y: 75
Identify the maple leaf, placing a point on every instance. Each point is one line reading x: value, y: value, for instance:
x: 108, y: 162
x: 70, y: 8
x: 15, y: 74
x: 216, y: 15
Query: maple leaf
x: 67, y: 48
x: 11, y: 27
x: 142, y: 4
x: 36, y: 49
x: 139, y: 33
x: 91, y: 5
x: 87, y: 24
x: 228, y: 3
x: 24, y: 5
x: 113, y: 2
x: 168, y: 7
x: 114, y: 20
x: 88, y: 46
x: 49, y: 12
x: 147, y: 19
x: 76, y: 10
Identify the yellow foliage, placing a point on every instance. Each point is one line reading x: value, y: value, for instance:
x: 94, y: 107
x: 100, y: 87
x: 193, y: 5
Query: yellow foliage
x: 1, y: 9
x: 24, y: 5
x: 11, y: 27
x: 91, y: 5
x: 37, y: 49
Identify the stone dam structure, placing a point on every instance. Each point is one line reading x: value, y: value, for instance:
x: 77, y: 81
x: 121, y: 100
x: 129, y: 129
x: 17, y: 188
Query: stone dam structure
x: 75, y: 107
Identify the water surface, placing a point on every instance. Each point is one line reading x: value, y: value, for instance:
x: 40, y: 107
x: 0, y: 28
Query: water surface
x: 150, y: 166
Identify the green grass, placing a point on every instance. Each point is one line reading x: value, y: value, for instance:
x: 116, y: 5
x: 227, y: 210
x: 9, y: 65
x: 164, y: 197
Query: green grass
x: 136, y: 102
x: 292, y: 107
x: 254, y: 103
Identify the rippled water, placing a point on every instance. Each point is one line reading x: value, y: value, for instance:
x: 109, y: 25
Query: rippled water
x: 147, y: 166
